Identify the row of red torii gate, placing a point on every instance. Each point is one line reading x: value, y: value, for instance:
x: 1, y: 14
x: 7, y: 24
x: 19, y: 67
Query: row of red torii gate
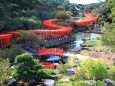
x: 51, y: 31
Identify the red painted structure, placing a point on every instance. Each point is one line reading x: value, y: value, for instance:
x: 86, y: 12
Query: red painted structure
x: 51, y: 51
x: 5, y: 40
x: 52, y: 30
x: 47, y: 65
x: 15, y: 34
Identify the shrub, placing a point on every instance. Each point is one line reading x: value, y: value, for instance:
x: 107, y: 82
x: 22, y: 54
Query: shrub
x: 4, y: 70
x: 14, y: 24
x: 29, y: 39
x: 11, y: 52
x: 64, y: 84
x: 2, y: 24
x: 81, y: 83
x: 63, y: 23
x: 112, y: 72
x: 79, y: 75
x: 63, y: 68
x: 63, y: 15
x: 30, y: 23
x: 46, y: 73
x: 100, y: 83
x: 95, y: 69
x: 86, y: 83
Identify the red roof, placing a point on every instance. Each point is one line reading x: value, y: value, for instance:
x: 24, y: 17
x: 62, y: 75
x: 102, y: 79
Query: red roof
x: 51, y: 51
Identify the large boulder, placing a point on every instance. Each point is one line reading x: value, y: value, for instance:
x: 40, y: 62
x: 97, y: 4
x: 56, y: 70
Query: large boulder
x: 49, y: 82
x: 109, y: 82
x: 12, y: 82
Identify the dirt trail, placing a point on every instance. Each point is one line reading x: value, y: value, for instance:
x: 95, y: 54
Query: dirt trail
x: 84, y: 55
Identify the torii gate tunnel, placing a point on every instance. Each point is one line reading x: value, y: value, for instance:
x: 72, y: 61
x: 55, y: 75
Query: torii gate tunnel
x: 51, y: 31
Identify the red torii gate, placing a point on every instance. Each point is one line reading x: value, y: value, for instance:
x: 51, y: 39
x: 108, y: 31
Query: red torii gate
x: 5, y: 40
x: 50, y: 51
x: 15, y: 34
x: 47, y: 65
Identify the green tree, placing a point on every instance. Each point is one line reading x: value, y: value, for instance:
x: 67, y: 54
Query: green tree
x: 108, y: 36
x: 107, y: 9
x: 90, y: 7
x: 27, y: 68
